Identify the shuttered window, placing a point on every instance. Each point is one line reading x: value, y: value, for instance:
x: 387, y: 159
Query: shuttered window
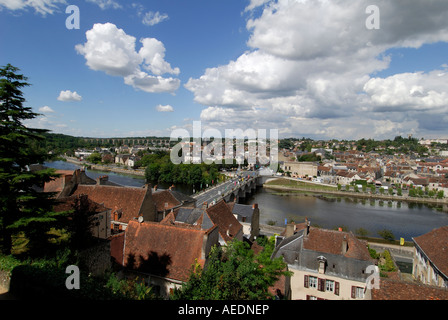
x: 321, y: 284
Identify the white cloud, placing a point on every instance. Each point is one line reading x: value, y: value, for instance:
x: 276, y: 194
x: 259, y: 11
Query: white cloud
x: 42, y: 7
x: 311, y: 67
x: 106, y: 4
x: 254, y: 4
x: 111, y: 50
x: 46, y: 109
x: 153, y: 53
x: 166, y: 108
x: 153, y: 18
x: 67, y: 95
x: 409, y: 91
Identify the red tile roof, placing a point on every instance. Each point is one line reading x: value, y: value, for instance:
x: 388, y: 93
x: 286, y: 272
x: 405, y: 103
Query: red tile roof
x: 222, y: 216
x: 330, y: 241
x: 163, y: 250
x: 435, y: 245
x: 57, y: 183
x: 400, y: 290
x: 68, y: 204
x: 127, y: 199
x: 163, y: 197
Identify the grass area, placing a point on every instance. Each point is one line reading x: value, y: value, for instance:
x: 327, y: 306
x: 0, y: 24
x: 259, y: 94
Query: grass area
x: 298, y: 184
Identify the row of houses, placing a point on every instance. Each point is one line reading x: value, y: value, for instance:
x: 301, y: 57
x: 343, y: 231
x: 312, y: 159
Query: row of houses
x: 160, y: 234
x: 350, y: 166
x: 336, y: 265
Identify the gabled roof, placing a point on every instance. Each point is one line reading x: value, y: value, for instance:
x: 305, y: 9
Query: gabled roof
x: 163, y: 250
x: 242, y: 209
x: 435, y: 246
x: 127, y: 199
x: 228, y: 225
x: 165, y: 200
x: 69, y: 203
x: 330, y: 241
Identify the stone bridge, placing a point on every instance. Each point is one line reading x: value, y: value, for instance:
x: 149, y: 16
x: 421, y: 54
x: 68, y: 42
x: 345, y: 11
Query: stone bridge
x: 232, y: 190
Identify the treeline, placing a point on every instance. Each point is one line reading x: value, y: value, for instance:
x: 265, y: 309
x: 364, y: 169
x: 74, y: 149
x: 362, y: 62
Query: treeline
x: 159, y: 168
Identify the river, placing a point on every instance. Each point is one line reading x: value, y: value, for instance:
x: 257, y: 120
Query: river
x: 404, y: 219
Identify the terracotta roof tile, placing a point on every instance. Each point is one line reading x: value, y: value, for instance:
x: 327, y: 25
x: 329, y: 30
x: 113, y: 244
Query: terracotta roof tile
x: 127, y: 199
x: 221, y: 216
x: 330, y: 241
x: 400, y: 290
x: 435, y: 245
x: 164, y: 197
x: 163, y: 250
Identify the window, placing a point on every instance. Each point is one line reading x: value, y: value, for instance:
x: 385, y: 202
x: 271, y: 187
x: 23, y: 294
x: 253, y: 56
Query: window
x: 357, y: 292
x: 329, y: 285
x: 313, y: 282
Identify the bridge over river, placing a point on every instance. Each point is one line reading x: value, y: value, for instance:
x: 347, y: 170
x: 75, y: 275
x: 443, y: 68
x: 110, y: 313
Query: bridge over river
x: 240, y: 186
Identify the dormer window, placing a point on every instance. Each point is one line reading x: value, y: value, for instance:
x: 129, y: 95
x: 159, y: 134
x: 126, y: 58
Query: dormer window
x: 322, y: 263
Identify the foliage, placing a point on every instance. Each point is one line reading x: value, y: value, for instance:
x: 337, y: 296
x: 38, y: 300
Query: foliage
x: 161, y: 169
x: 386, y: 262
x: 94, y: 158
x: 22, y: 208
x: 362, y: 232
x: 386, y: 235
x: 234, y: 273
x: 309, y: 157
x: 133, y: 289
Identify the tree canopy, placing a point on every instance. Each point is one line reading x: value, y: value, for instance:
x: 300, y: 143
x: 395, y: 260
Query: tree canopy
x: 234, y: 273
x: 22, y: 207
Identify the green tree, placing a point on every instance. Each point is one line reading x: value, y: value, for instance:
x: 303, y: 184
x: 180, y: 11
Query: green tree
x: 234, y: 274
x: 94, y: 158
x: 386, y: 235
x: 22, y: 208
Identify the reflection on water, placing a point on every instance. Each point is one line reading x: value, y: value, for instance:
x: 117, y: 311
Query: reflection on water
x: 404, y: 219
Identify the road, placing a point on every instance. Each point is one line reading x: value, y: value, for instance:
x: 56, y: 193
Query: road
x: 215, y: 193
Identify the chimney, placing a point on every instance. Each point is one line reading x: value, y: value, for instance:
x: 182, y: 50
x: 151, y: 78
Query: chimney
x: 307, y: 227
x: 255, y: 206
x: 289, y: 230
x: 344, y: 245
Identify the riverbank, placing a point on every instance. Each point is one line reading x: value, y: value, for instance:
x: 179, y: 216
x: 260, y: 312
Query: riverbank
x: 91, y: 166
x: 363, y: 195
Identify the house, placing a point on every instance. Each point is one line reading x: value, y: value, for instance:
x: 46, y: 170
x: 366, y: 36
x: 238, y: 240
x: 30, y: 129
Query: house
x: 229, y: 227
x: 327, y: 264
x: 345, y: 177
x: 126, y: 203
x: 248, y: 216
x: 64, y: 185
x: 168, y: 200
x: 122, y: 159
x: 163, y: 254
x: 219, y: 215
x: 300, y: 169
x: 430, y: 263
x: 99, y: 215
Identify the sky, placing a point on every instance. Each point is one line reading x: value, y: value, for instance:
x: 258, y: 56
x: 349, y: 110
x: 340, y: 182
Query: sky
x: 321, y: 69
